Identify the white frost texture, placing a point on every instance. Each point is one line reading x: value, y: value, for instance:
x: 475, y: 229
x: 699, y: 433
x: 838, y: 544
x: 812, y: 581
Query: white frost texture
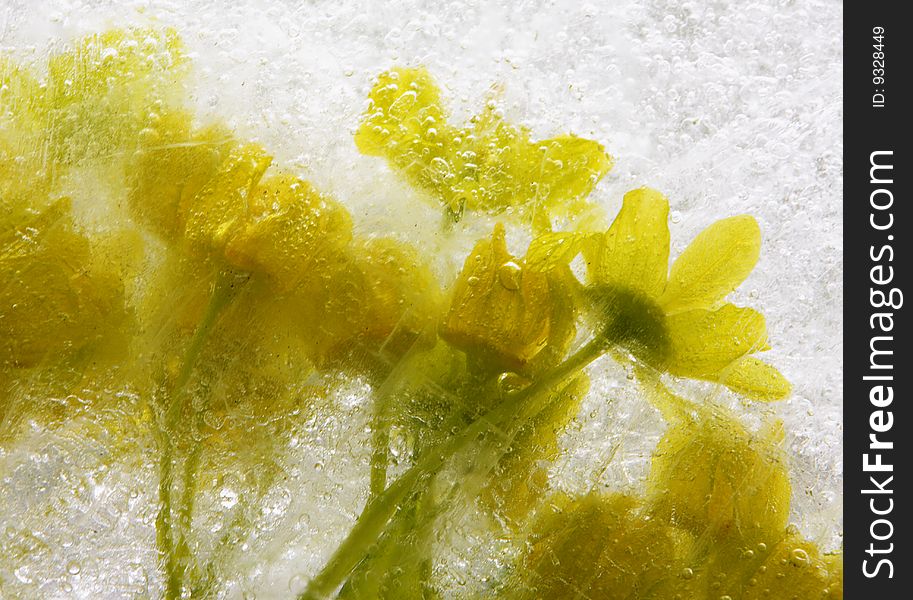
x: 726, y: 107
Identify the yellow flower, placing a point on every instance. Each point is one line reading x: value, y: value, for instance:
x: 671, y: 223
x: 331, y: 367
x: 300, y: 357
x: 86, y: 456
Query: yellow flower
x: 205, y: 190
x: 677, y: 321
x: 713, y: 477
x: 375, y: 297
x: 489, y: 165
x: 712, y: 526
x: 172, y: 164
x: 54, y: 297
x: 599, y: 546
x: 103, y: 93
x: 292, y: 229
x: 500, y: 311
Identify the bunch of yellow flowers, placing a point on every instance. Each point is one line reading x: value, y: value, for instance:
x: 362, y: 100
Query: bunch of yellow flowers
x: 224, y: 283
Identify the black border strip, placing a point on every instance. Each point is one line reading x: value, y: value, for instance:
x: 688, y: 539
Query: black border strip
x: 871, y: 255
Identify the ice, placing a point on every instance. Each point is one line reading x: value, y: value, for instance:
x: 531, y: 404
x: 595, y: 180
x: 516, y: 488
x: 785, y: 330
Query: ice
x: 728, y: 108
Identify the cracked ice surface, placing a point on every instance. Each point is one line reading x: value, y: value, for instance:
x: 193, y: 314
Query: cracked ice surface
x: 727, y: 107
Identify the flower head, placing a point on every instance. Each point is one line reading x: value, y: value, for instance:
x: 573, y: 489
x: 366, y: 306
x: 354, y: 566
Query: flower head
x: 506, y: 313
x: 601, y: 545
x: 490, y: 165
x: 56, y: 296
x: 678, y: 321
x: 712, y: 476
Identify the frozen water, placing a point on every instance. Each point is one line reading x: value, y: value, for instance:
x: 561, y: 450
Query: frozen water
x: 727, y: 107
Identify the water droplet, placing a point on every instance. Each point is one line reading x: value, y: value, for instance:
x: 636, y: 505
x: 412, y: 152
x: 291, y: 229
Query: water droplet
x: 687, y: 573
x: 510, y: 382
x: 799, y: 557
x: 509, y: 275
x: 296, y: 583
x: 73, y: 568
x: 473, y: 280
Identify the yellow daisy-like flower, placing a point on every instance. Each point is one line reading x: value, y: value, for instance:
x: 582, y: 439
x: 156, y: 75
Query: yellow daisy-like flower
x: 677, y: 320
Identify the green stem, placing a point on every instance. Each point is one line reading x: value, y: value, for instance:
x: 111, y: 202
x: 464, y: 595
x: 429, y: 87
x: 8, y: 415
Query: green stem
x: 380, y: 422
x: 185, y: 508
x: 673, y: 408
x: 380, y: 441
x: 424, y: 516
x: 225, y: 288
x: 510, y: 415
x: 174, y: 557
x: 164, y: 539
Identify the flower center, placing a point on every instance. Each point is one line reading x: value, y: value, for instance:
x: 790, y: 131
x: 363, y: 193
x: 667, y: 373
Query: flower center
x: 632, y: 321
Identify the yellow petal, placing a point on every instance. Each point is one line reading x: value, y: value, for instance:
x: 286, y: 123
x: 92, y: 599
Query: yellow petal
x: 635, y: 251
x: 713, y: 265
x: 377, y: 295
x: 403, y: 298
x: 404, y: 105
x: 406, y: 124
x: 704, y: 342
x: 551, y: 250
x: 756, y: 380
x: 568, y: 169
x: 54, y: 299
x: 562, y: 321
